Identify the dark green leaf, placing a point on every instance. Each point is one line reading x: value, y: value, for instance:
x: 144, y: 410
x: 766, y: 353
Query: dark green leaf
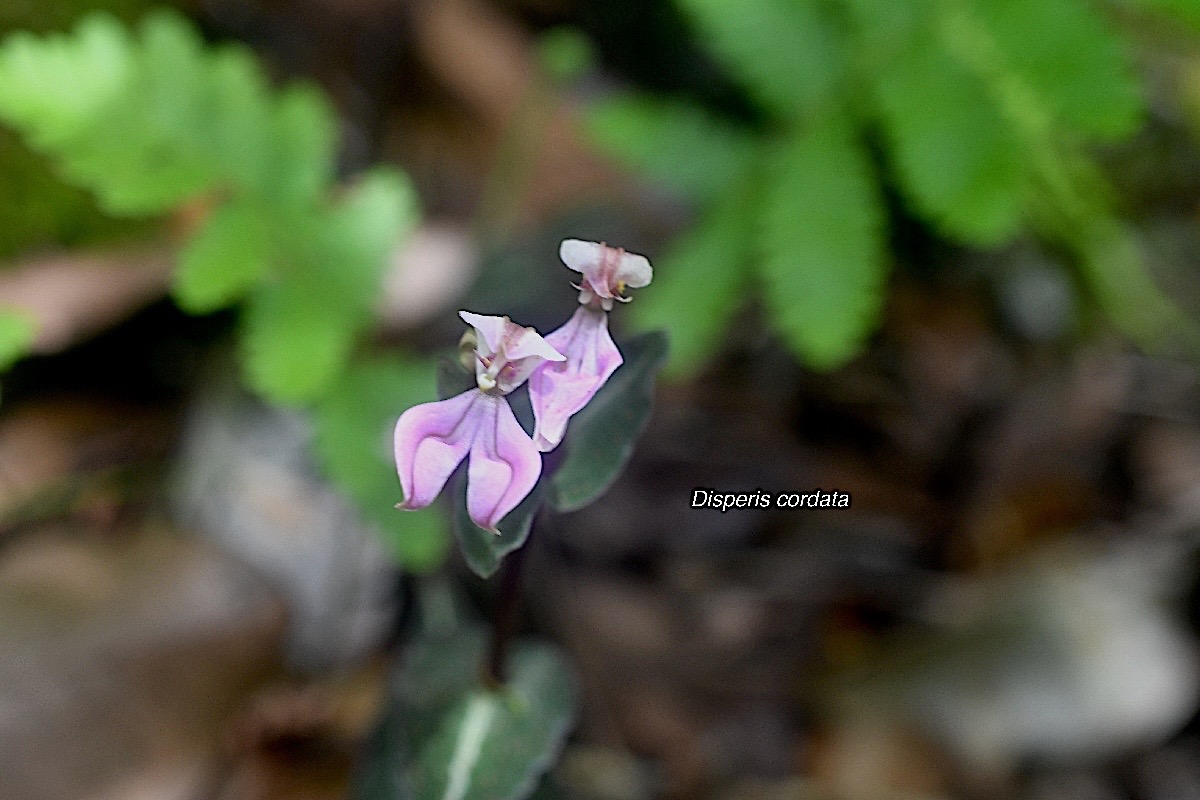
x: 496, y: 745
x: 600, y: 438
x: 823, y: 234
x: 436, y: 672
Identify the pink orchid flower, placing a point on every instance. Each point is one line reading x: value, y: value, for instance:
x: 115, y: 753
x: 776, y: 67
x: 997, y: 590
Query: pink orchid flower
x: 607, y: 271
x: 432, y: 439
x: 560, y: 390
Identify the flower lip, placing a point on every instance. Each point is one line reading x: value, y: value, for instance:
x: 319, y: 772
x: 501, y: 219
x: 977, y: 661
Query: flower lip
x: 607, y: 271
x: 432, y: 439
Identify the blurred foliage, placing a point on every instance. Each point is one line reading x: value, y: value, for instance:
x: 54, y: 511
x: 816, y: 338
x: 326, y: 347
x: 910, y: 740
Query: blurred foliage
x: 38, y: 209
x: 156, y: 121
x: 985, y: 111
x: 353, y: 441
x: 16, y: 335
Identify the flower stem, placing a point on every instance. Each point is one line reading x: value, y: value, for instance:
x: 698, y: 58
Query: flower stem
x: 504, y: 617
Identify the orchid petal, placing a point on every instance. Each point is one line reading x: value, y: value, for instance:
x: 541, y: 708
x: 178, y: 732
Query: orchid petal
x: 634, y: 271
x: 560, y: 390
x: 579, y: 255
x: 431, y: 440
x: 508, y: 352
x: 606, y: 270
x: 490, y: 330
x: 530, y: 344
x: 504, y: 465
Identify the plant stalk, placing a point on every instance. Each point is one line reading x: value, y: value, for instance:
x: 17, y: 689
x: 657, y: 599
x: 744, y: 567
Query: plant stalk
x: 504, y: 617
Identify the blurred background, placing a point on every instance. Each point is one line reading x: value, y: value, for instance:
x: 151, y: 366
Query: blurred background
x: 940, y: 255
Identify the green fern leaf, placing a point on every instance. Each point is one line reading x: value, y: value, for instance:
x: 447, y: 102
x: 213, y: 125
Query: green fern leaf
x: 296, y: 340
x: 55, y: 88
x: 1072, y: 59
x: 823, y: 235
x: 224, y: 260
x: 17, y: 331
x: 675, y: 142
x: 698, y: 283
x: 953, y: 153
x: 786, y: 53
x: 304, y: 136
x: 353, y: 443
x: 242, y: 120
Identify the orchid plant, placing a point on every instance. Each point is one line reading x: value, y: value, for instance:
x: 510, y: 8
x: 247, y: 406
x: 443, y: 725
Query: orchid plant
x: 565, y: 370
x: 452, y: 730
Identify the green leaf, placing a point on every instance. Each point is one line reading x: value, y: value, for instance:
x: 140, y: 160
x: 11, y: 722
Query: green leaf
x: 54, y: 88
x: 1072, y: 59
x: 301, y: 328
x: 786, y: 53
x: 483, y: 550
x: 354, y: 425
x: 954, y: 154
x: 1186, y: 11
x: 437, y: 671
x: 375, y: 214
x: 600, y: 438
x: 419, y: 743
x: 147, y: 153
x: 303, y: 146
x: 496, y: 745
x: 17, y: 332
x: 699, y: 282
x: 295, y: 341
x: 241, y: 119
x: 224, y: 260
x: 1114, y: 267
x: 825, y: 259
x: 674, y: 142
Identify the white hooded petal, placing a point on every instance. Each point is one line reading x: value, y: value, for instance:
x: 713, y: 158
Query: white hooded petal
x: 634, y: 271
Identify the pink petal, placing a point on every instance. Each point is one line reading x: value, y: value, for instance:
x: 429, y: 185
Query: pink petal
x: 530, y: 344
x: 431, y: 440
x: 504, y: 465
x: 559, y: 391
